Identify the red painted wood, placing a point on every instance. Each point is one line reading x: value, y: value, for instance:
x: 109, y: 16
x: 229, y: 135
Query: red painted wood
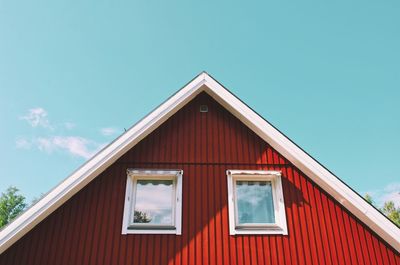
x: 87, y: 228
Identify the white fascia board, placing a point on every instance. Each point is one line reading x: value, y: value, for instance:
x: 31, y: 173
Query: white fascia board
x: 91, y: 169
x: 325, y: 179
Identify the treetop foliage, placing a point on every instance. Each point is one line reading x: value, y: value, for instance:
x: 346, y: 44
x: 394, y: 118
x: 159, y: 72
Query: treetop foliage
x: 11, y: 205
x: 389, y: 209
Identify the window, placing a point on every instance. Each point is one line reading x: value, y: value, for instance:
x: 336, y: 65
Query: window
x: 255, y: 201
x: 153, y: 202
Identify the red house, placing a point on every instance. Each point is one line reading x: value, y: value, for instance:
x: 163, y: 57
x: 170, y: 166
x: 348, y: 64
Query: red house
x: 202, y: 179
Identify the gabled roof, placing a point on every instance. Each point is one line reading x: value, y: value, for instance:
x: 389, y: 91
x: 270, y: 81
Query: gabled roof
x: 203, y: 82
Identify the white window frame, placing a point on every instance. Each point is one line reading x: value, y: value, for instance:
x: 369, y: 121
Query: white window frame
x: 133, y: 175
x: 279, y: 227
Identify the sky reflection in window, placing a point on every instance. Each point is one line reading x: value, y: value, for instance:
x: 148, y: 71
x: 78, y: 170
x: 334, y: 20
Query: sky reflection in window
x: 254, y: 202
x: 153, y: 202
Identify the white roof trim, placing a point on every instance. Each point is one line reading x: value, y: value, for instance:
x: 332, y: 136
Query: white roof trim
x: 203, y: 82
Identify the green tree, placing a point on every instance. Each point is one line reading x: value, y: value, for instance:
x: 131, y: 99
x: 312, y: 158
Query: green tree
x: 392, y: 212
x: 36, y: 199
x: 389, y: 209
x: 11, y: 204
x: 141, y: 217
x: 369, y: 199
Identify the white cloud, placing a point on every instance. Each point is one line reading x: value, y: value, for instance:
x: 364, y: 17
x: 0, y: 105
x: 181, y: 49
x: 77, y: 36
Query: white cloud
x: 44, y: 144
x: 158, y: 207
x: 23, y: 143
x: 108, y: 131
x: 390, y: 192
x: 69, y: 125
x: 37, y: 117
x: 74, y: 145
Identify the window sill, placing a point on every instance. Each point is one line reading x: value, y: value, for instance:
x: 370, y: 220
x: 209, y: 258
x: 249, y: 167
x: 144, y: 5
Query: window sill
x: 143, y: 231
x: 273, y: 230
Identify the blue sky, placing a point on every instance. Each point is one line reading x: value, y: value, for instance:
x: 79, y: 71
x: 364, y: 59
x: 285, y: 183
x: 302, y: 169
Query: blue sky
x: 73, y: 74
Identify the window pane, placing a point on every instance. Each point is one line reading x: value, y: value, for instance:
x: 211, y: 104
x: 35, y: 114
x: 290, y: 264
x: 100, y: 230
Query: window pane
x: 254, y: 202
x: 153, y: 202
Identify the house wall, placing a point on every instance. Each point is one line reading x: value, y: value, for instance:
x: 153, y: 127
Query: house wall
x: 87, y: 228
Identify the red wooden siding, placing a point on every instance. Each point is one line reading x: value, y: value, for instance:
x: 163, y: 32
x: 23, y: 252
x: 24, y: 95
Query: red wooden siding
x: 87, y: 228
